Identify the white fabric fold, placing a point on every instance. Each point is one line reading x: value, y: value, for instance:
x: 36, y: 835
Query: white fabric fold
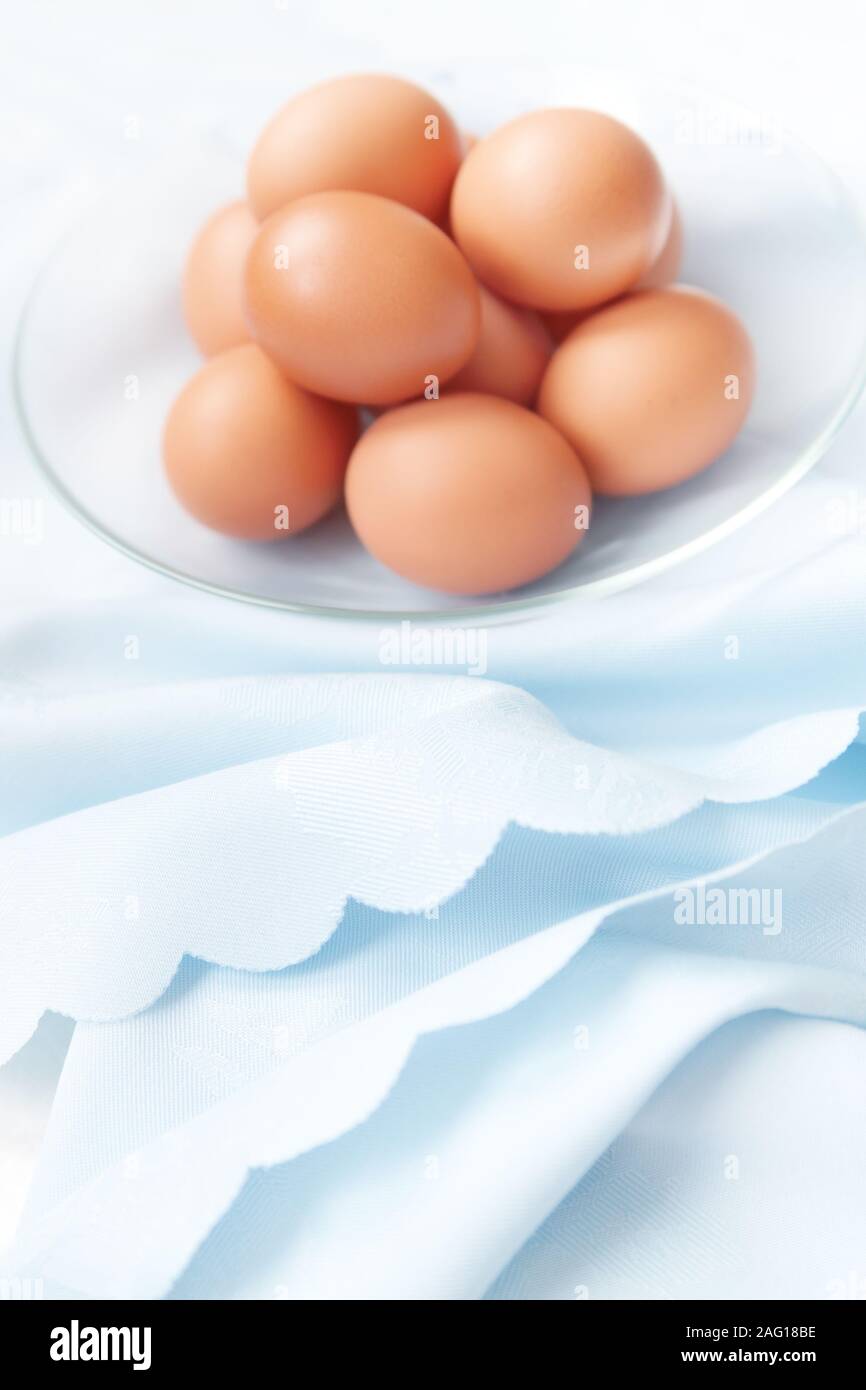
x: 194, y: 1170
x: 405, y: 795
x: 702, y: 1195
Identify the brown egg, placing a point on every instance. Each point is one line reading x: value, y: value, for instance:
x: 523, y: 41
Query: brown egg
x: 650, y: 389
x: 666, y: 266
x: 560, y: 209
x: 470, y: 494
x: 467, y: 141
x: 213, y: 279
x: 663, y: 271
x: 365, y: 132
x: 512, y: 352
x: 360, y: 299
x: 252, y: 455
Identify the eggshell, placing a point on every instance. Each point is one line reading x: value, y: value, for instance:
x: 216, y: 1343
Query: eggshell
x: 663, y: 271
x: 560, y: 209
x: 469, y: 494
x: 512, y: 352
x: 359, y: 298
x: 651, y: 389
x: 242, y: 444
x: 213, y: 279
x: 666, y: 267
x: 467, y: 141
x: 365, y: 132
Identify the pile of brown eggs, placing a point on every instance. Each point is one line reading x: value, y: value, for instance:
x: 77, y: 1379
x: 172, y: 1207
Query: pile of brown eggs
x: 504, y: 308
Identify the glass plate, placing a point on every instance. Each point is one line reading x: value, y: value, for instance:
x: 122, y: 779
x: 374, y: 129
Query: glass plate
x: 102, y: 350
